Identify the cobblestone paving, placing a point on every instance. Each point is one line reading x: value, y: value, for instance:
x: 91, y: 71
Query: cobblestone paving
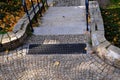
x: 82, y: 38
x: 57, y: 67
x: 17, y: 65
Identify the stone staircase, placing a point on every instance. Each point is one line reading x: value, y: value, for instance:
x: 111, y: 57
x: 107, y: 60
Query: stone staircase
x: 61, y: 25
x: 63, y: 21
x: 18, y: 65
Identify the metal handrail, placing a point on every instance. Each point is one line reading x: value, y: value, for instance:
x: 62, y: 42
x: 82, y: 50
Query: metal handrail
x: 40, y: 10
x: 87, y: 11
x: 34, y: 10
x: 43, y: 2
x: 28, y: 15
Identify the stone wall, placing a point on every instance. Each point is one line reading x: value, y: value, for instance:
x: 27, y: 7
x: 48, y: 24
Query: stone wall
x: 105, y: 50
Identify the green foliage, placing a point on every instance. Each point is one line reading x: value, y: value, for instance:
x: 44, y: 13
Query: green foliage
x: 3, y: 0
x: 8, y: 8
x: 111, y: 17
x: 114, y: 1
x: 3, y: 32
x: 114, y: 4
x: 11, y: 1
x: 2, y: 15
x: 13, y: 8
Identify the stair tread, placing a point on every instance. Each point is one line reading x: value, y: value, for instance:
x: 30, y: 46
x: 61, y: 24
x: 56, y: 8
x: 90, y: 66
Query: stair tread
x: 62, y: 21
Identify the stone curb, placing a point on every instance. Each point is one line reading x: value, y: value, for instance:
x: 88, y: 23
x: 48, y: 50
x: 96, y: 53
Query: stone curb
x: 15, y: 38
x: 106, y: 51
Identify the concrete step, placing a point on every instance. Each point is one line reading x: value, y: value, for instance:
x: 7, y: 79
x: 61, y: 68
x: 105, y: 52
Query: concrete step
x: 66, y: 11
x: 62, y: 21
x: 58, y: 30
x: 57, y: 39
x: 69, y: 2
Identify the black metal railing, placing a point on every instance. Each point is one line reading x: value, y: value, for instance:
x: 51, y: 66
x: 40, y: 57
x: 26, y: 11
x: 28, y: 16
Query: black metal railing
x: 40, y: 10
x: 87, y: 13
x: 1, y: 39
x: 34, y: 11
x: 41, y: 4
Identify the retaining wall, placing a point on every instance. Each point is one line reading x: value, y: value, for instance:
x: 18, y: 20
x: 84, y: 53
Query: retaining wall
x: 105, y: 50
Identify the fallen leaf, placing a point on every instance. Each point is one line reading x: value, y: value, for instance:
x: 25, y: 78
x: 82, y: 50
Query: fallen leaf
x: 56, y: 63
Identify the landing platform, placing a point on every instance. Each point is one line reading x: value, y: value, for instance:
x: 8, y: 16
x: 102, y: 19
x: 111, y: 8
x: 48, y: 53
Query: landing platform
x: 62, y: 21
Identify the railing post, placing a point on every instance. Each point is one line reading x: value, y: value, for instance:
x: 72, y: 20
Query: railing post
x: 34, y: 10
x: 25, y: 9
x: 38, y: 4
x: 46, y: 3
x: 1, y: 39
x: 87, y: 9
x: 43, y: 4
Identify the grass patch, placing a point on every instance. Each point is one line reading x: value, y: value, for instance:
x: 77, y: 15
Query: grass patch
x: 111, y: 18
x: 114, y: 4
x: 3, y: 32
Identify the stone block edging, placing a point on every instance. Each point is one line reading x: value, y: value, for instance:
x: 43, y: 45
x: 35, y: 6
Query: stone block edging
x: 105, y: 50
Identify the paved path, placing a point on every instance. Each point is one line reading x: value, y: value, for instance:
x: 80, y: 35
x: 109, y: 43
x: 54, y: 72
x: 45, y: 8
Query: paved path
x: 20, y: 66
x: 17, y: 65
x: 57, y: 67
